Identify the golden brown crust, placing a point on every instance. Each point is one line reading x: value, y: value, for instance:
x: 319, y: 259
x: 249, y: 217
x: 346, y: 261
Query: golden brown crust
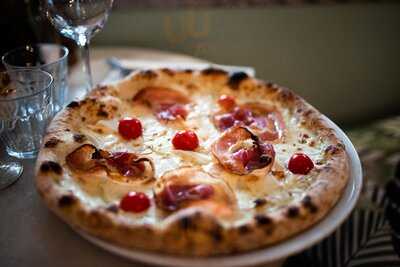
x: 189, y: 231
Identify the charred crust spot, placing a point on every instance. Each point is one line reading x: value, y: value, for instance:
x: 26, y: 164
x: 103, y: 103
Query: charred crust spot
x: 148, y: 74
x: 52, y: 142
x: 102, y: 113
x: 262, y: 219
x: 168, y: 72
x: 79, y: 138
x: 306, y: 200
x: 236, y: 78
x: 188, y: 71
x: 73, y: 104
x: 259, y: 202
x: 48, y: 166
x: 308, y: 113
x: 331, y: 149
x: 213, y: 71
x: 191, y: 86
x: 293, y: 212
x: 270, y: 84
x: 340, y: 146
x: 244, y: 229
x: 216, y: 234
x: 66, y: 201
x: 308, y: 204
x: 94, y: 219
x: 272, y: 87
x: 287, y: 95
x: 186, y: 223
x: 112, y: 208
x: 97, y: 154
x: 268, y: 230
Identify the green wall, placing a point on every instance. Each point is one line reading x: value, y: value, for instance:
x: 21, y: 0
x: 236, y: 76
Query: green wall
x: 344, y: 59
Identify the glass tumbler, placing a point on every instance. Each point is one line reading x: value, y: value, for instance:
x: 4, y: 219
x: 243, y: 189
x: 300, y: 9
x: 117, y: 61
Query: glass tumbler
x: 25, y: 110
x: 51, y: 58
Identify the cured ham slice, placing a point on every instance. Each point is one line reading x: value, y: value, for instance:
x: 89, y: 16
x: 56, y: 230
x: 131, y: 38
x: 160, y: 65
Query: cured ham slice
x: 189, y: 186
x: 128, y: 164
x: 266, y: 123
x: 240, y: 151
x: 83, y: 158
x: 88, y: 158
x: 166, y: 103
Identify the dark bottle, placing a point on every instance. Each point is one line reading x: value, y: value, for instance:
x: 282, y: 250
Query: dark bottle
x: 24, y: 22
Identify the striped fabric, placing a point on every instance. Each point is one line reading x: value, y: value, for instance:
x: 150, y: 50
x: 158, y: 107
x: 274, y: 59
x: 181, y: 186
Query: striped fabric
x: 370, y: 237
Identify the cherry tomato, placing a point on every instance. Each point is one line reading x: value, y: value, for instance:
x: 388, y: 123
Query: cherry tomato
x: 185, y: 140
x: 242, y: 114
x: 135, y: 202
x: 130, y: 128
x: 227, y: 102
x: 300, y: 163
x: 225, y: 121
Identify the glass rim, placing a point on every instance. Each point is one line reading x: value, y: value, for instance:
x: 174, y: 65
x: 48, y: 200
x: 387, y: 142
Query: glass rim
x: 47, y: 87
x: 8, y: 53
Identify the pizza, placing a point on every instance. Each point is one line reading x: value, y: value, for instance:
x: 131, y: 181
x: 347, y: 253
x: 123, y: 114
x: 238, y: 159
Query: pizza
x: 191, y: 162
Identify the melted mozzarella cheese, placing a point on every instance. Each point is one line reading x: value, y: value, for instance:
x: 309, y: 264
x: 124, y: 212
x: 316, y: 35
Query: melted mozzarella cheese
x: 155, y: 143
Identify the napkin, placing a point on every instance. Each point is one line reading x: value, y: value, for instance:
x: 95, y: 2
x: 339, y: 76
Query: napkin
x: 120, y: 67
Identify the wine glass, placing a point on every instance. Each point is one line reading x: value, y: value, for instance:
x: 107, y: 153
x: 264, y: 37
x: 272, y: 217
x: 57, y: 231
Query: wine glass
x: 79, y: 20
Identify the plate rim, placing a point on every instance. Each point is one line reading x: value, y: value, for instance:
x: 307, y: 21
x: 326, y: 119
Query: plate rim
x: 270, y: 254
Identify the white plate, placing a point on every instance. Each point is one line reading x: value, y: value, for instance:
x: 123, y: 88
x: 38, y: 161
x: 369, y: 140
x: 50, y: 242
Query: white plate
x: 272, y: 254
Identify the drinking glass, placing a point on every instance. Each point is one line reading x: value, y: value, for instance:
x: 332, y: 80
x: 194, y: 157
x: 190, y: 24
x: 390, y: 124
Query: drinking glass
x: 79, y: 20
x: 51, y: 58
x: 25, y: 110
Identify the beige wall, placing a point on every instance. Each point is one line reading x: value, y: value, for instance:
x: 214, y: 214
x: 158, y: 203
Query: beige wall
x: 344, y: 58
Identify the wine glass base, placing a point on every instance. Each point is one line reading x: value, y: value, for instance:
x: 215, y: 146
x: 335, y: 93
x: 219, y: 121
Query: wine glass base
x: 22, y: 155
x: 9, y: 173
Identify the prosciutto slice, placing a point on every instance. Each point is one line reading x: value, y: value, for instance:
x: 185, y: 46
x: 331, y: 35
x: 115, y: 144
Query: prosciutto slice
x: 241, y: 152
x: 175, y: 196
x: 88, y: 158
x: 266, y: 123
x: 166, y: 103
x: 192, y: 187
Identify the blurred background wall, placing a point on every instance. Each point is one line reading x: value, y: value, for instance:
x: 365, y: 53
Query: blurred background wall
x: 341, y: 55
x: 342, y: 58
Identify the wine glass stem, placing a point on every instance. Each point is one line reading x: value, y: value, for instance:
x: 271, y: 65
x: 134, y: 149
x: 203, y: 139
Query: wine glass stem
x: 86, y: 66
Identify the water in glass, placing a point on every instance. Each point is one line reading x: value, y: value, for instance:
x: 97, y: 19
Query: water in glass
x: 25, y: 111
x: 51, y: 58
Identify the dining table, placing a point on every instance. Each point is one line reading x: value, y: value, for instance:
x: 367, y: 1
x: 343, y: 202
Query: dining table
x: 31, y: 235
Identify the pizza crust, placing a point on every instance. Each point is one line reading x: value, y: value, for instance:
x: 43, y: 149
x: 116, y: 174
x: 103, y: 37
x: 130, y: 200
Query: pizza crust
x: 192, y: 231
